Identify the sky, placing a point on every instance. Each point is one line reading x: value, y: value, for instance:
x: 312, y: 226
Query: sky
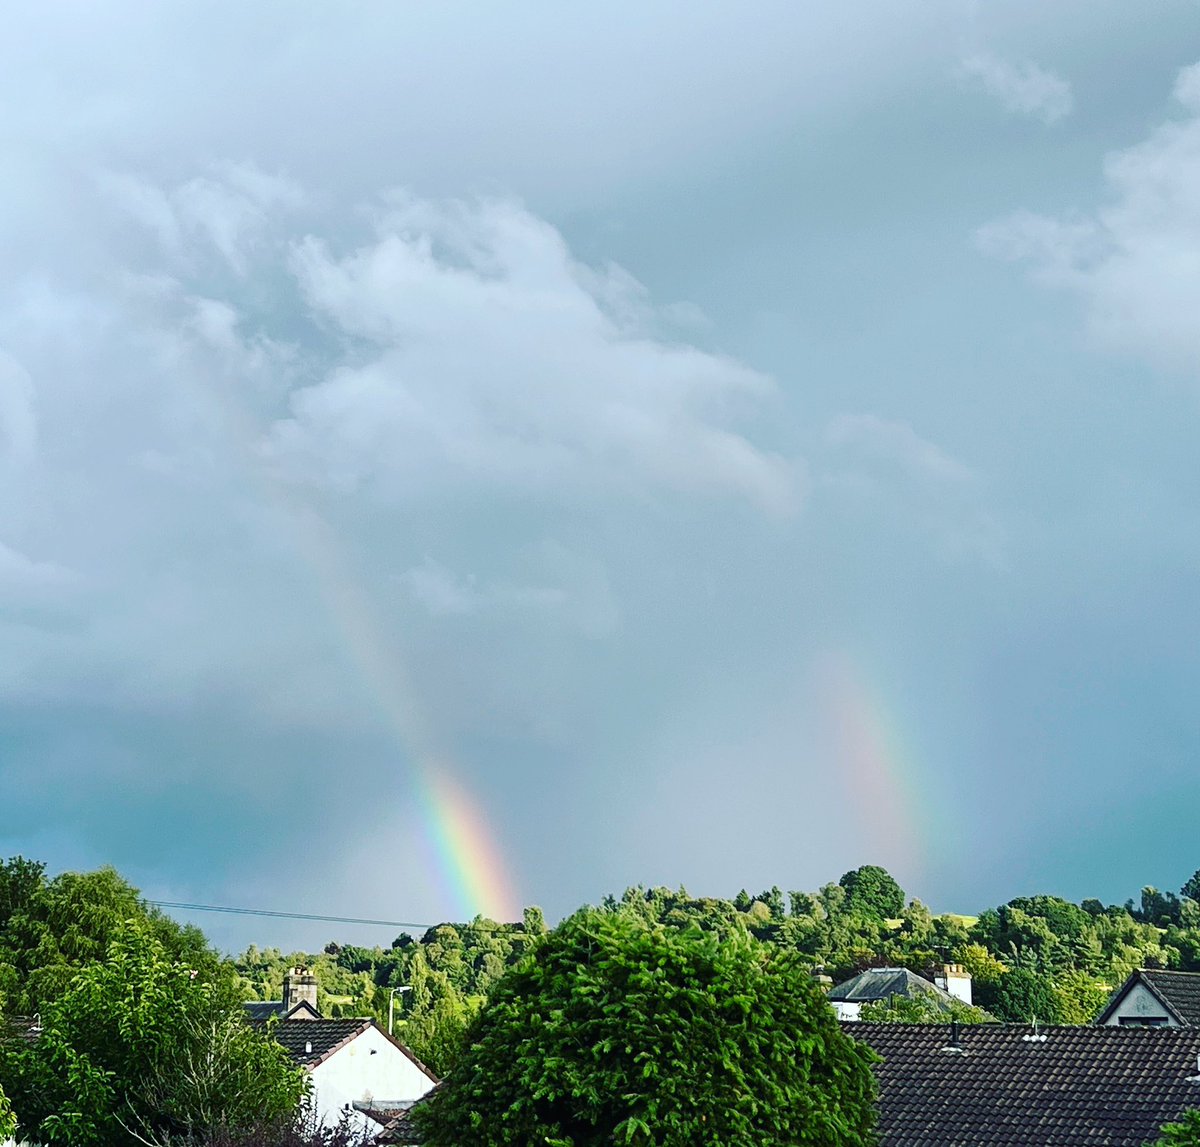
x: 462, y: 456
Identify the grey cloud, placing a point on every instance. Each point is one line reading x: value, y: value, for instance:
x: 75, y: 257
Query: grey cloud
x: 1024, y: 88
x: 18, y: 420
x: 1135, y: 260
x: 897, y: 442
x: 884, y: 464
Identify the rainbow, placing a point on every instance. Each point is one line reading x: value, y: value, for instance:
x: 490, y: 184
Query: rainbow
x: 469, y: 862
x: 471, y: 866
x: 882, y: 781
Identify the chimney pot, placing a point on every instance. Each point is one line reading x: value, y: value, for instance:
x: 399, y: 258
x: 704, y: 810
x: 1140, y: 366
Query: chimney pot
x: 299, y: 986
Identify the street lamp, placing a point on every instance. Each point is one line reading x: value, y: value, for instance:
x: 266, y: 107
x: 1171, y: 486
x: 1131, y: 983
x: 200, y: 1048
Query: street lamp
x: 392, y: 1004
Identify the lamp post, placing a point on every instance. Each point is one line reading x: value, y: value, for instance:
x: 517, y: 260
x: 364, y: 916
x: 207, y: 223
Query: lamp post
x: 392, y: 1004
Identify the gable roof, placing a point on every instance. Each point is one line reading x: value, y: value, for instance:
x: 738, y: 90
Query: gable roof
x: 1013, y: 1086
x: 311, y: 1042
x: 1178, y: 992
x: 884, y: 983
x: 258, y: 1011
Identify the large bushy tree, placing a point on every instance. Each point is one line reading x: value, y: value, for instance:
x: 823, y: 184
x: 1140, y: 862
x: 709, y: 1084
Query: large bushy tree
x: 618, y: 1030
x: 141, y: 1047
x: 50, y: 927
x: 1022, y: 996
x: 872, y: 891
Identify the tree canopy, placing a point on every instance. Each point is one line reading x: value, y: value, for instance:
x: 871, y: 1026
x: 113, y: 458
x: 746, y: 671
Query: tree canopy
x: 52, y: 927
x: 141, y: 1046
x: 872, y: 891
x: 619, y: 1030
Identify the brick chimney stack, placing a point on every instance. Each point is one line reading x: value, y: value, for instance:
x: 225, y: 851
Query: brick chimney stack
x: 299, y: 986
x: 956, y: 980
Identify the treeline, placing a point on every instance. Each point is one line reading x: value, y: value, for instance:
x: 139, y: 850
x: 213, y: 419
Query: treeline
x: 1037, y: 956
x: 1033, y: 956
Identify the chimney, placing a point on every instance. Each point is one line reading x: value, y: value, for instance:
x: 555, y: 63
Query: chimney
x: 820, y: 979
x: 956, y: 980
x: 299, y: 986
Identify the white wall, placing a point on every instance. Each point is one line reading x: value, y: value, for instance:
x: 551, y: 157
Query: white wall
x: 369, y: 1068
x: 845, y: 1009
x: 1140, y: 1003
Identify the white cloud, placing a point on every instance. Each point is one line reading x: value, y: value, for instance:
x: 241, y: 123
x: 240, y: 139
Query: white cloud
x: 896, y: 442
x: 1135, y: 261
x: 886, y: 465
x: 561, y: 586
x: 1022, y: 88
x: 487, y: 353
x: 21, y: 574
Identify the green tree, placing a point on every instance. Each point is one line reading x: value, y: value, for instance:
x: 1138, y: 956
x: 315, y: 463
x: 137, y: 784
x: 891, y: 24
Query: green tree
x: 50, y: 928
x: 923, y: 1008
x: 871, y: 891
x: 1021, y: 996
x: 8, y: 1121
x: 142, y: 1046
x: 1080, y: 996
x: 1185, y: 1133
x: 1191, y: 888
x: 619, y: 1030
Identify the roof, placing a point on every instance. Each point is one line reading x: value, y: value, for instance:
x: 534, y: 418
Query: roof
x: 258, y: 1011
x: 883, y: 984
x: 311, y: 1042
x: 1016, y: 1086
x: 403, y: 1128
x: 1178, y: 992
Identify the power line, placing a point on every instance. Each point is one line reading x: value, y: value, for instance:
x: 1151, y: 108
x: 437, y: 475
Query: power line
x: 283, y: 915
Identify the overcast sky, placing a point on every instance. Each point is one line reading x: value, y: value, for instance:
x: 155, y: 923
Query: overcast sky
x: 734, y: 442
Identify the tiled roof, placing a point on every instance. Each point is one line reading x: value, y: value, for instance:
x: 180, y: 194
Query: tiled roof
x: 1178, y: 991
x: 310, y: 1042
x: 883, y: 984
x: 259, y: 1010
x: 403, y: 1128
x: 1068, y: 1087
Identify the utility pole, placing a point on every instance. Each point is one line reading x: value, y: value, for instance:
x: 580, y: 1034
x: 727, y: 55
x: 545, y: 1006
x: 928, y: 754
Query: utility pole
x: 392, y: 1004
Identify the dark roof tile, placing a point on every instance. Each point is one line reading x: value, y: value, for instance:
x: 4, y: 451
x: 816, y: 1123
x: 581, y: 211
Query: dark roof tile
x: 1069, y: 1087
x: 309, y: 1042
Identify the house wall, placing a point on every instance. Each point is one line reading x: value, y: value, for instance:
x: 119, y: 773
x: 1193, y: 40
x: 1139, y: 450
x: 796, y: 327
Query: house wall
x: 369, y: 1068
x: 954, y: 980
x: 845, y: 1009
x: 1139, y: 1003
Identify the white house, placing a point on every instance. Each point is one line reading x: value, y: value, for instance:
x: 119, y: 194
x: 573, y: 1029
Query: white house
x: 1154, y: 997
x: 359, y: 1072
x: 879, y: 984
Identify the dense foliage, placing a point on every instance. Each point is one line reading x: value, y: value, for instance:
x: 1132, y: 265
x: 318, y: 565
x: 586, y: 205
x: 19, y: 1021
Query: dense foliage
x: 872, y: 891
x: 1035, y: 956
x: 618, y: 1030
x: 922, y: 1009
x: 8, y: 1121
x: 51, y: 928
x: 140, y: 1046
x: 1185, y: 1133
